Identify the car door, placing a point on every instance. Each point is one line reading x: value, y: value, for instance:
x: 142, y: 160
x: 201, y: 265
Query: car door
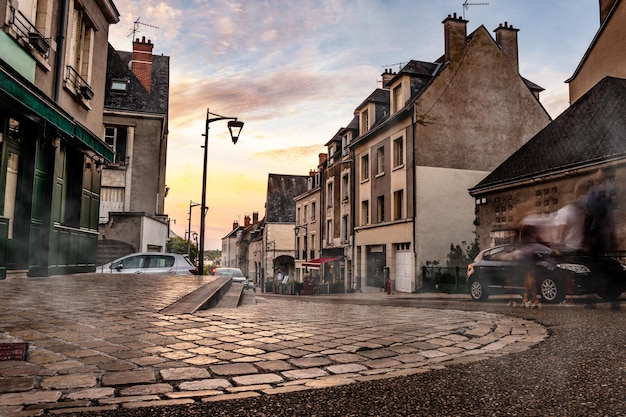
x: 130, y: 265
x: 160, y: 264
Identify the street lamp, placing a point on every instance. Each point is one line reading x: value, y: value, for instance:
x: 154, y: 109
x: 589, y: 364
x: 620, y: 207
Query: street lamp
x: 191, y: 205
x: 234, y: 127
x: 306, y: 235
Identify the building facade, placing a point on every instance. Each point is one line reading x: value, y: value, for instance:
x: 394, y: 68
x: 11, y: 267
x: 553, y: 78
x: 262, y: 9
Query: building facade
x: 426, y: 137
x: 132, y: 208
x: 52, y: 89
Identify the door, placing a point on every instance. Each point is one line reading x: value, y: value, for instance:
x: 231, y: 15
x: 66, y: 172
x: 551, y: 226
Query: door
x: 403, y: 271
x: 130, y: 265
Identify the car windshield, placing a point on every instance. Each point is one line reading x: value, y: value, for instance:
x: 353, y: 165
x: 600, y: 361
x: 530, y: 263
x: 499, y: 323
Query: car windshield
x: 228, y: 272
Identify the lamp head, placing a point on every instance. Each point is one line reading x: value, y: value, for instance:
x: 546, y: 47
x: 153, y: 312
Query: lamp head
x: 235, y: 126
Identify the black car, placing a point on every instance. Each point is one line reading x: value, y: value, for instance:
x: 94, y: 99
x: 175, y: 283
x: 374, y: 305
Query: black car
x: 557, y: 272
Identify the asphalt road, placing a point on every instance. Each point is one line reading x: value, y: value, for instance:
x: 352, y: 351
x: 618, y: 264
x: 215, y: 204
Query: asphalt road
x: 579, y: 370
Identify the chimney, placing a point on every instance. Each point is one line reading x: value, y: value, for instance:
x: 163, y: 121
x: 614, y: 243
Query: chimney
x: 246, y: 221
x: 312, y: 172
x: 235, y: 225
x: 387, y: 76
x: 506, y: 38
x: 455, y: 38
x: 141, y: 63
x: 322, y: 158
x: 605, y: 8
x: 255, y: 217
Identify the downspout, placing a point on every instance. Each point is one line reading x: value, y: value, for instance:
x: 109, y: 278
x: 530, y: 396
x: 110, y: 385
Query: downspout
x: 414, y: 202
x: 352, y: 222
x: 60, y: 55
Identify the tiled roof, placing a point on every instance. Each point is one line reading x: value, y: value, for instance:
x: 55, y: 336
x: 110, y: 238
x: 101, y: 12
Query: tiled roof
x: 280, y: 206
x: 137, y: 98
x: 590, y: 131
x: 378, y: 96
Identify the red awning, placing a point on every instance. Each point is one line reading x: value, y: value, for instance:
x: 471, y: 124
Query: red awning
x: 319, y: 261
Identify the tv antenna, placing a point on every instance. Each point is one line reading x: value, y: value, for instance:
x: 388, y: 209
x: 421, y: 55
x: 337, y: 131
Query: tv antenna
x: 137, y: 27
x: 467, y: 4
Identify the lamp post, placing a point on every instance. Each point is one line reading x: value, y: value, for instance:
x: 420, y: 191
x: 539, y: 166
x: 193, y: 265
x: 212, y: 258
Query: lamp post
x: 191, y: 205
x: 234, y: 126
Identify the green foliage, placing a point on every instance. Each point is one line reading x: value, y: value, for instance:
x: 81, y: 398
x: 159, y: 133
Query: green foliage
x: 179, y: 245
x: 462, y: 257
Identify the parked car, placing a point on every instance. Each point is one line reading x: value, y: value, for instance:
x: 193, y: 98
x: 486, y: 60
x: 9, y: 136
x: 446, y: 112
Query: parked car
x: 558, y: 272
x: 236, y: 274
x: 150, y: 263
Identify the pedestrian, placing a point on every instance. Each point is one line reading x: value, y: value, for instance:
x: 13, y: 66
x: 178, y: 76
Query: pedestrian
x: 598, y: 235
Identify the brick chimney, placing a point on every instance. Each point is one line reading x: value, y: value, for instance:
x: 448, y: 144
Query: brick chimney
x: 235, y: 225
x: 605, y: 8
x: 387, y: 76
x: 141, y: 63
x: 255, y: 217
x: 246, y: 221
x: 322, y: 157
x: 455, y: 38
x: 506, y: 38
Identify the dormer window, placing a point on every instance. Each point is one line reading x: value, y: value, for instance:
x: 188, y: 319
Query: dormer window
x: 365, y: 121
x: 398, y: 103
x: 119, y: 86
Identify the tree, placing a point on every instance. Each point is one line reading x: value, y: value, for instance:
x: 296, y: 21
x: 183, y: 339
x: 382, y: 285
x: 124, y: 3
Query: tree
x: 460, y: 257
x: 179, y: 245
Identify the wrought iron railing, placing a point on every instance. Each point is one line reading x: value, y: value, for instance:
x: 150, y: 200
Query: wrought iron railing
x: 80, y: 84
x: 28, y: 32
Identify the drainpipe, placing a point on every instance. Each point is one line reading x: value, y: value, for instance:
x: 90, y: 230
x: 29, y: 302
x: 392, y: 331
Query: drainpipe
x: 60, y: 55
x: 414, y: 202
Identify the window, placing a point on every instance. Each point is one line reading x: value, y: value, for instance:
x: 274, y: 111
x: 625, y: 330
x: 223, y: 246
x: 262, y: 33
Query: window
x: 298, y: 247
x: 345, y: 141
x: 313, y: 208
x: 329, y: 194
x: 380, y: 209
x: 306, y: 215
x: 398, y: 202
x: 312, y: 247
x: 298, y: 218
x: 397, y: 98
x: 119, y: 86
x: 115, y: 137
x: 344, y: 228
x: 329, y: 232
x: 380, y: 161
x: 80, y: 54
x: 365, y: 121
x: 365, y: 167
x: 30, y: 24
x: 345, y: 187
x: 398, y: 152
x: 365, y: 212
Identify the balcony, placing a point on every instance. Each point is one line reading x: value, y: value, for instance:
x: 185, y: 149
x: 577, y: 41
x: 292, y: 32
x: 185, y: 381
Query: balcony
x: 28, y: 33
x: 82, y: 88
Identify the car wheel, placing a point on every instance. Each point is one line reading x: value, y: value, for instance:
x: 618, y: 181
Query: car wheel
x: 551, y: 291
x: 478, y: 292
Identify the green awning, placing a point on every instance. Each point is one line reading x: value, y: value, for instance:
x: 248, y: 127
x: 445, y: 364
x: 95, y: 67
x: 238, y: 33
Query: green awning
x: 52, y: 113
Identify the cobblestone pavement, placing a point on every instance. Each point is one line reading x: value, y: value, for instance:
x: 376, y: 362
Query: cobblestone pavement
x: 98, y: 342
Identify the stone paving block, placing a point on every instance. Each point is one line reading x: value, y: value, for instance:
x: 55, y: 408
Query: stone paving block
x: 137, y: 398
x: 285, y: 390
x: 346, y: 368
x: 193, y: 394
x: 333, y: 381
x: 186, y: 373
x: 91, y: 394
x: 148, y: 389
x: 274, y: 366
x: 243, y: 388
x: 17, y: 384
x: 305, y: 373
x: 31, y: 397
x: 128, y: 377
x: 69, y: 381
x: 91, y: 409
x: 204, y: 384
x: 310, y: 362
x: 159, y: 403
x: 236, y: 396
x: 257, y: 379
x: 382, y: 363
x: 234, y: 369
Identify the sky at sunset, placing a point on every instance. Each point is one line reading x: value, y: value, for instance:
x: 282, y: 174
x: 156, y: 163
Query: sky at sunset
x: 294, y: 71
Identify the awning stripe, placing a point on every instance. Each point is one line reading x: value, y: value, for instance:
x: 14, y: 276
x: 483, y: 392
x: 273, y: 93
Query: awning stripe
x: 49, y: 111
x: 317, y: 262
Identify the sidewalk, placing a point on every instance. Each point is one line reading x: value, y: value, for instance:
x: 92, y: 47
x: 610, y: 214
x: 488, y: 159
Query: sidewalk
x: 99, y: 342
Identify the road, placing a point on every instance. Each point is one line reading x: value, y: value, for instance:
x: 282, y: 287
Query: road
x: 353, y: 354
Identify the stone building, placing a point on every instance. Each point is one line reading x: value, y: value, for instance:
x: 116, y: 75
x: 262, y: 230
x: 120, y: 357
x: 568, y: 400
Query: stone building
x: 52, y: 92
x: 132, y: 208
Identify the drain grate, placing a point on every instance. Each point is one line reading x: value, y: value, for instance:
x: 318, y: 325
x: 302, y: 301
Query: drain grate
x: 13, y: 351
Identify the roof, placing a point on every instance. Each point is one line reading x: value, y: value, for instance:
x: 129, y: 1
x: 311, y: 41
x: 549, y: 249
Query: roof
x: 416, y: 69
x: 590, y: 131
x: 378, y: 96
x: 137, y: 99
x: 280, y: 206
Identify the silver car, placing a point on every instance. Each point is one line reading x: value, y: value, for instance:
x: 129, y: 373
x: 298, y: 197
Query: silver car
x: 150, y: 263
x: 236, y: 274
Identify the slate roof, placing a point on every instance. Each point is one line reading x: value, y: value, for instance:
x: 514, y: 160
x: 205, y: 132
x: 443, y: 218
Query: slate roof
x: 137, y: 98
x: 590, y: 131
x: 280, y: 206
x: 378, y: 96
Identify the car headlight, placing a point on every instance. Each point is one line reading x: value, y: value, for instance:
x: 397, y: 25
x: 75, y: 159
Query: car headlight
x: 576, y: 268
